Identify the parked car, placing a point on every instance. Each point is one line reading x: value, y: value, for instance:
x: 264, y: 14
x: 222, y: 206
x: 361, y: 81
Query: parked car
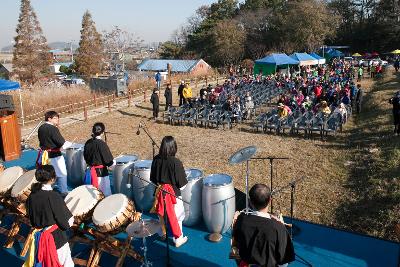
x: 61, y: 76
x: 377, y: 61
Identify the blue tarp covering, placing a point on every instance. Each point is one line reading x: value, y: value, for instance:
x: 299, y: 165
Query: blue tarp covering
x: 161, y: 65
x: 278, y: 59
x: 6, y: 85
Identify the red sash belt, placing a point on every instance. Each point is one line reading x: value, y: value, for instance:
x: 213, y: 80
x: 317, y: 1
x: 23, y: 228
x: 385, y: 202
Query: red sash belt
x: 47, y: 251
x: 93, y: 175
x: 169, y: 207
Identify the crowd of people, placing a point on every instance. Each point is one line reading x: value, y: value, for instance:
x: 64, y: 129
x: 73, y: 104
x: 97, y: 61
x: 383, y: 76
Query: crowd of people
x: 329, y: 89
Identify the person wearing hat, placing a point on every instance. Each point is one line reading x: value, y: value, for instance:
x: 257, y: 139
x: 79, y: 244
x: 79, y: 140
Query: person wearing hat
x: 282, y: 111
x: 155, y: 100
x: 180, y: 93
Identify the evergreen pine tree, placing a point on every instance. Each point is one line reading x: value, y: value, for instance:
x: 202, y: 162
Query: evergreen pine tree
x: 90, y: 54
x: 31, y: 58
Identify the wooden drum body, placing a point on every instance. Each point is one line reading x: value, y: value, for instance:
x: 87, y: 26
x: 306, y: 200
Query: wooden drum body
x: 192, y: 194
x: 82, y: 201
x: 112, y: 213
x: 218, y: 202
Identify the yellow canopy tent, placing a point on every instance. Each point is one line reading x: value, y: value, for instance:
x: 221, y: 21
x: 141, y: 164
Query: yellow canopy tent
x: 397, y: 51
x: 357, y: 55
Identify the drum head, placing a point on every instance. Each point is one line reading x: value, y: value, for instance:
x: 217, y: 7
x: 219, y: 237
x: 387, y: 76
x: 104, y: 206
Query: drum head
x: 8, y: 177
x: 109, y: 208
x: 124, y: 159
x: 82, y: 199
x: 143, y: 164
x: 23, y: 182
x: 218, y: 179
x: 193, y: 174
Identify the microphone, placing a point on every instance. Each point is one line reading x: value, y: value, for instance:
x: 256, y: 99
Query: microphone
x: 138, y: 128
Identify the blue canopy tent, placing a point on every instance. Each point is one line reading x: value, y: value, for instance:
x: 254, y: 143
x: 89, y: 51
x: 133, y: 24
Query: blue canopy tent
x: 6, y: 85
x: 320, y: 59
x: 332, y: 53
x: 304, y: 59
x: 269, y: 64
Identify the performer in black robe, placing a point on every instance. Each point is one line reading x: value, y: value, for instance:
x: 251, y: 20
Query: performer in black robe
x: 46, y: 207
x: 98, y: 157
x: 261, y: 238
x: 166, y: 169
x: 51, y: 142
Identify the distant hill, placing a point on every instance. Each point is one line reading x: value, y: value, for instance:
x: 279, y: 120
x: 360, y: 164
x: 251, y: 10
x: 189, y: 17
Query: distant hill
x: 53, y: 45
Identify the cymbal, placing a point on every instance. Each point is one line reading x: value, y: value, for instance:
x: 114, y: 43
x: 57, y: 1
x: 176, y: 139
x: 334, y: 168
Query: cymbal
x: 242, y: 155
x: 145, y: 228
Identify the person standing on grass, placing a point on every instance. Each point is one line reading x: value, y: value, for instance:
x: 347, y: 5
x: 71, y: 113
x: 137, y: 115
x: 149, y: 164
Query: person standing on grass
x: 359, y: 97
x: 396, y: 64
x: 360, y: 73
x: 180, y: 93
x: 168, y: 97
x: 155, y: 100
x: 157, y: 77
x: 395, y: 101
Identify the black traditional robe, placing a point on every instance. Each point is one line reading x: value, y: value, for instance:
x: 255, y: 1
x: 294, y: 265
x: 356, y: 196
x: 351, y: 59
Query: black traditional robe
x: 97, y: 152
x: 168, y: 171
x: 50, y: 138
x: 262, y: 241
x: 46, y: 208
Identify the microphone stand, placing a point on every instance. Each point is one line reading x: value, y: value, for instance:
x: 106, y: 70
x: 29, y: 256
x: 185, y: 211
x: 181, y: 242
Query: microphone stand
x: 153, y: 143
x: 168, y: 264
x: 292, y: 186
x: 271, y: 160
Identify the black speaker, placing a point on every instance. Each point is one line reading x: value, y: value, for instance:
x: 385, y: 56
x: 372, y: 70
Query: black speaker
x: 6, y: 102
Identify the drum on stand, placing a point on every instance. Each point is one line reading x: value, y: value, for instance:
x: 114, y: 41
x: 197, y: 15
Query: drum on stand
x: 8, y: 177
x: 22, y: 189
x: 76, y: 165
x: 112, y: 213
x: 218, y: 202
x: 121, y: 170
x: 143, y: 192
x: 81, y: 202
x: 192, y: 194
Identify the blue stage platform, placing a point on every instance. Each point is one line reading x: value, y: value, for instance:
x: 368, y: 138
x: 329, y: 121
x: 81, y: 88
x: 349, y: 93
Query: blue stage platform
x: 316, y: 244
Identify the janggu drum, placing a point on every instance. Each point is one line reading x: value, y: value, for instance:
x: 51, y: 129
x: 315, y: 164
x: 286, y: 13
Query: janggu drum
x: 81, y: 202
x: 218, y: 202
x: 143, y: 192
x: 192, y: 194
x: 121, y: 170
x: 8, y: 177
x: 76, y: 165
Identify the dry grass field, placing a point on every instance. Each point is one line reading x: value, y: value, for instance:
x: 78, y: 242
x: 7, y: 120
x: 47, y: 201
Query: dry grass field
x: 335, y: 169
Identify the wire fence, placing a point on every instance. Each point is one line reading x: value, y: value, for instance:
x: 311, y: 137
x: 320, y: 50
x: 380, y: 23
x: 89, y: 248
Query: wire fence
x: 108, y: 100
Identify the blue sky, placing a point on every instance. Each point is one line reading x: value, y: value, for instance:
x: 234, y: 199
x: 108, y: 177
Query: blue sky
x: 153, y: 20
